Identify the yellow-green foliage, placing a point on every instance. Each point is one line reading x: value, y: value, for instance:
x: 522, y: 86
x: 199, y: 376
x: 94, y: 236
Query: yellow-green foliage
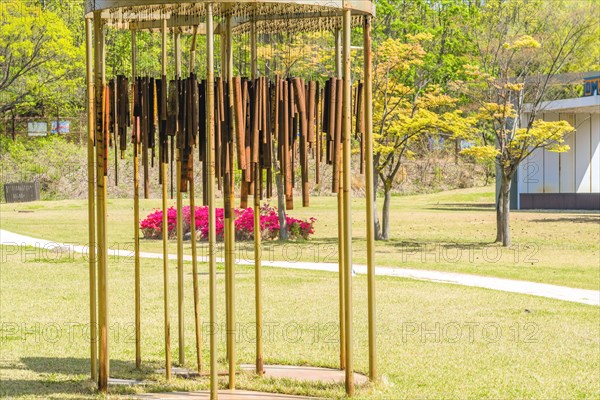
x: 39, y: 60
x: 501, y: 97
x: 406, y: 108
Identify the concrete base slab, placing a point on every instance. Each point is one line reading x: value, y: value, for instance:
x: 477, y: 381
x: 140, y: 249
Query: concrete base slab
x: 188, y: 373
x: 307, y: 374
x: 179, y: 372
x: 223, y: 395
x: 125, y: 382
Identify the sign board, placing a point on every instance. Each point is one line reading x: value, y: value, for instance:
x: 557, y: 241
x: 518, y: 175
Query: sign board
x: 590, y: 86
x: 37, y: 129
x: 21, y: 192
x: 63, y: 127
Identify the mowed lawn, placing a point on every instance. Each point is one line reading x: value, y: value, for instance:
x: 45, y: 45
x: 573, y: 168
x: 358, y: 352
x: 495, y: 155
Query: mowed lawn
x: 446, y: 231
x: 435, y: 341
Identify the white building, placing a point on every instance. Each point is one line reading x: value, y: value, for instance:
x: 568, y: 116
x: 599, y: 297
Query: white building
x: 569, y: 180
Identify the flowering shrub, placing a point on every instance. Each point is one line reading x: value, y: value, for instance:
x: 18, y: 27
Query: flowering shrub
x: 151, y: 226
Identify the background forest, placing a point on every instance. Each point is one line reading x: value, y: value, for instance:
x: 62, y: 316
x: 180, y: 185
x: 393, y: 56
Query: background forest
x: 447, y: 73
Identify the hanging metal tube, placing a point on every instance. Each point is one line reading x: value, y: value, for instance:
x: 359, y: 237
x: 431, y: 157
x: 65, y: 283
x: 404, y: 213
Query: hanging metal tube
x: 340, y: 215
x: 165, y: 229
x: 99, y: 83
x: 368, y: 101
x: 136, y: 216
x: 91, y: 201
x: 210, y: 155
x: 253, y: 50
x: 347, y: 151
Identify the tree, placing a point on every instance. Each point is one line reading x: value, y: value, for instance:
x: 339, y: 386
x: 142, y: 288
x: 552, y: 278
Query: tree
x: 406, y: 107
x: 40, y: 66
x: 427, y: 47
x: 522, y: 46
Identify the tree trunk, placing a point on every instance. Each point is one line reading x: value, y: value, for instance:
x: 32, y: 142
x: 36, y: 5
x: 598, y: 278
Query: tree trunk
x: 499, y: 216
x: 376, y: 223
x: 385, y: 229
x: 283, y: 229
x: 506, y: 211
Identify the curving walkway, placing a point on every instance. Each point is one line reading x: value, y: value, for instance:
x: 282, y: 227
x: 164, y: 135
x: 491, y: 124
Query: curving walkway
x: 583, y: 296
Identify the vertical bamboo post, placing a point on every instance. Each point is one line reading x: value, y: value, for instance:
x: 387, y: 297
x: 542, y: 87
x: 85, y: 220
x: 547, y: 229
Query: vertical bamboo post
x: 257, y: 241
x: 136, y: 216
x: 91, y: 201
x: 230, y: 222
x: 105, y: 247
x: 193, y: 238
x: 340, y: 214
x: 224, y: 70
x: 165, y: 229
x: 195, y: 278
x: 368, y: 101
x: 346, y: 133
x: 99, y: 83
x: 210, y: 155
x: 180, y: 319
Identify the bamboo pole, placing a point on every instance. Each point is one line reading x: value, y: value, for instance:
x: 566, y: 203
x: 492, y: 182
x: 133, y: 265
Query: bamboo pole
x: 340, y: 214
x: 224, y: 70
x: 136, y: 216
x: 210, y: 155
x: 180, y: 316
x: 165, y: 229
x: 91, y: 201
x: 193, y: 236
x: 346, y: 133
x: 257, y: 241
x: 102, y: 256
x: 368, y: 101
x: 230, y: 222
x: 195, y: 278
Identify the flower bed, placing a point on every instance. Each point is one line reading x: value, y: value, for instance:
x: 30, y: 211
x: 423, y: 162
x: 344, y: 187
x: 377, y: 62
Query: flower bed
x: 151, y: 226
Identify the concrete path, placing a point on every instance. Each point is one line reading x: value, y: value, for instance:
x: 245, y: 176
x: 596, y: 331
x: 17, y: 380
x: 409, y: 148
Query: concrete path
x: 298, y: 373
x: 306, y: 373
x: 223, y: 395
x: 583, y: 296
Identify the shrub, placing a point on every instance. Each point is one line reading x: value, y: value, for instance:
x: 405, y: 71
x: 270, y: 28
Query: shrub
x: 151, y: 226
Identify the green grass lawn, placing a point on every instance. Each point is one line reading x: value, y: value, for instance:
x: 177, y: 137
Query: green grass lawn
x: 446, y: 231
x: 435, y: 340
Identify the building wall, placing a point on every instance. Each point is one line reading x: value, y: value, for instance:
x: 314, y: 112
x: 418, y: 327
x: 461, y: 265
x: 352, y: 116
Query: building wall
x: 595, y: 145
x: 582, y: 153
x: 575, y: 171
x: 551, y: 164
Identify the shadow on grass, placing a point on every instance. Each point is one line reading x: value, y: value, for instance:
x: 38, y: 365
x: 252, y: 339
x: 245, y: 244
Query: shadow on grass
x: 44, y: 388
x: 584, y: 219
x: 426, y: 245
x: 81, y: 366
x: 58, y: 376
x: 471, y: 207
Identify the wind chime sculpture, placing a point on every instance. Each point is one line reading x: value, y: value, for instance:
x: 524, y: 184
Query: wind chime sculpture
x: 269, y: 126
